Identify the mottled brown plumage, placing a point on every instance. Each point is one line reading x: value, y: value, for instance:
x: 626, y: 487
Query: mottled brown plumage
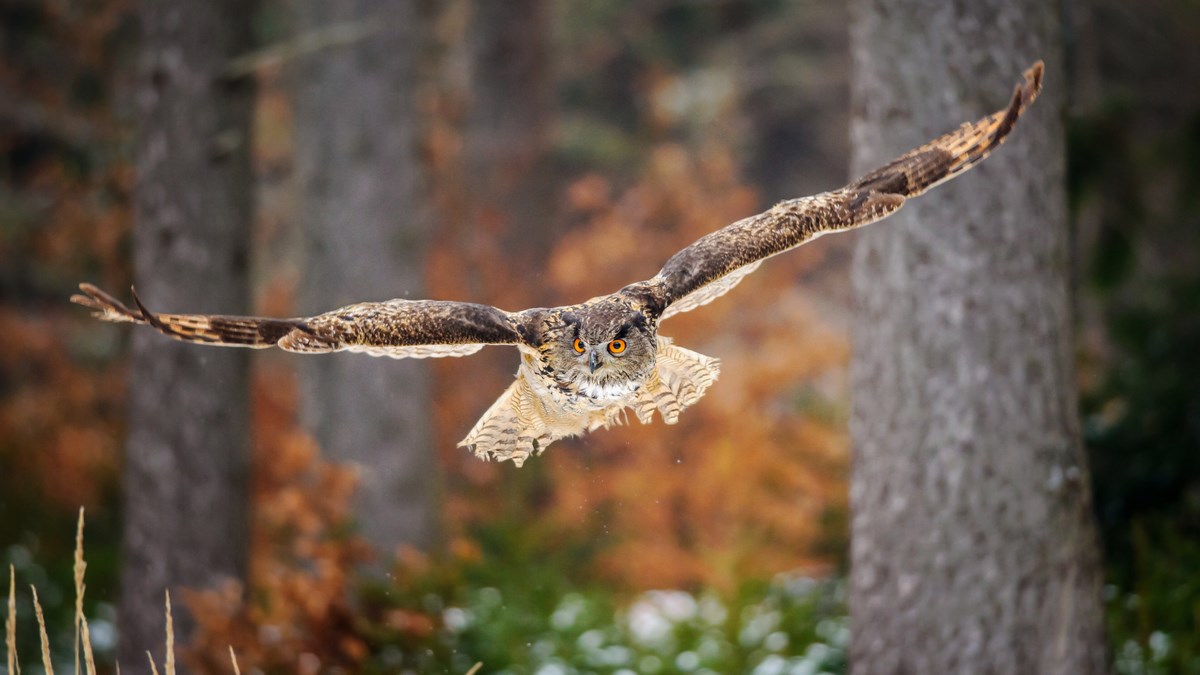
x: 582, y: 366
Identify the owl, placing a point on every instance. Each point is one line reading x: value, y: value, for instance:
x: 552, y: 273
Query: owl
x: 585, y: 366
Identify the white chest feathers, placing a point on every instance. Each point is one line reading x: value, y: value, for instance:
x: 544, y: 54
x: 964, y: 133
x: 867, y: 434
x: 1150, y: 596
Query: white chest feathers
x: 606, y: 393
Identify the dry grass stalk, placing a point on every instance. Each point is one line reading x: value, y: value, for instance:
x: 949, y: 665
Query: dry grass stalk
x: 475, y: 668
x: 89, y: 659
x: 37, y: 608
x: 170, y: 638
x: 150, y: 657
x: 81, y: 624
x: 10, y: 624
x: 233, y: 658
x: 78, y: 567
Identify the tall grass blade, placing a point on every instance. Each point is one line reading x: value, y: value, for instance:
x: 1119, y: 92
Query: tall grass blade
x: 79, y: 568
x: 10, y: 624
x: 170, y: 638
x: 37, y: 608
x: 81, y: 624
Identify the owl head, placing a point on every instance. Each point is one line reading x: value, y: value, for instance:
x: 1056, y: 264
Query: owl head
x: 602, y: 346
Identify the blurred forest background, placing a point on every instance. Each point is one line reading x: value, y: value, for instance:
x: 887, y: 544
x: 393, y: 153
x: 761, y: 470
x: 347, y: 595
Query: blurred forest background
x: 565, y: 149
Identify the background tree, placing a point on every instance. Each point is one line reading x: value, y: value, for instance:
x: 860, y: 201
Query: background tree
x: 508, y: 124
x: 363, y: 209
x: 185, y: 468
x: 972, y: 538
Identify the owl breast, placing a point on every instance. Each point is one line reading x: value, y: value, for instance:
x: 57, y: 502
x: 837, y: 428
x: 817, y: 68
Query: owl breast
x: 544, y: 404
x: 607, y: 393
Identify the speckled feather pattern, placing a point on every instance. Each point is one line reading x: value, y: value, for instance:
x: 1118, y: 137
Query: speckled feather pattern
x: 583, y: 366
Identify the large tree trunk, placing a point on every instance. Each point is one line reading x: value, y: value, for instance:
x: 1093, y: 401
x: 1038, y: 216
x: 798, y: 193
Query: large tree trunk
x: 364, y: 211
x: 507, y: 131
x: 509, y: 183
x: 973, y: 547
x: 186, y: 465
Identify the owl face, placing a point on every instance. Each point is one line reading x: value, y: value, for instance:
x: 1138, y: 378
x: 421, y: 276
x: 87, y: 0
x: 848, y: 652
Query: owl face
x: 601, y: 352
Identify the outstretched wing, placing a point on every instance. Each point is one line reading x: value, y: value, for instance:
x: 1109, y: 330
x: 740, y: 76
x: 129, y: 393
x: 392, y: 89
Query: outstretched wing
x: 396, y: 328
x: 715, y: 263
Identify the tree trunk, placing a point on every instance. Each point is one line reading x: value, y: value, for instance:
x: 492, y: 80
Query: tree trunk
x: 973, y: 544
x: 185, y: 470
x: 364, y: 211
x: 506, y: 136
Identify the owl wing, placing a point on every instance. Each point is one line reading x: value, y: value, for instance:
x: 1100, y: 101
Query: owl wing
x: 396, y: 328
x: 715, y: 263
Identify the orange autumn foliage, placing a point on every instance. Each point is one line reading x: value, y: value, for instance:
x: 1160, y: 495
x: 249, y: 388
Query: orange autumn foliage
x: 748, y: 481
x: 58, y: 429
x: 303, y: 556
x: 739, y: 489
x: 64, y: 213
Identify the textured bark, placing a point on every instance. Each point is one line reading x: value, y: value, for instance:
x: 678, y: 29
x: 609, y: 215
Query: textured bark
x: 365, y: 216
x: 973, y: 545
x: 186, y: 464
x: 506, y: 136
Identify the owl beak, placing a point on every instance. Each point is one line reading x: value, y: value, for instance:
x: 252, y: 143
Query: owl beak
x: 593, y: 361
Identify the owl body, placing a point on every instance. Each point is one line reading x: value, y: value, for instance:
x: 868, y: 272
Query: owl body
x: 584, y: 366
x: 538, y: 409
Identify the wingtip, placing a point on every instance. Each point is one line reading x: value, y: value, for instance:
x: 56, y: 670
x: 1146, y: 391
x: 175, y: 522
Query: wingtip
x: 87, y: 299
x: 1028, y: 90
x: 1033, y: 76
x: 88, y: 296
x: 103, y: 305
x: 1024, y: 94
x: 146, y: 314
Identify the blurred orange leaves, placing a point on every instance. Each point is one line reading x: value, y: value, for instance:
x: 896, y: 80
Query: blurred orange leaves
x: 303, y: 555
x: 745, y: 484
x: 62, y: 410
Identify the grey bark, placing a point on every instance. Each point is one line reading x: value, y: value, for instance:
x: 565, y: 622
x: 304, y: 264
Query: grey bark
x: 364, y: 212
x: 973, y: 548
x: 507, y: 131
x: 186, y: 464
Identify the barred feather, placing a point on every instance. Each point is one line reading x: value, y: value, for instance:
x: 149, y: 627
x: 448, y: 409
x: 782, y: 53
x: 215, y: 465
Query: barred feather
x: 715, y: 263
x: 395, y: 328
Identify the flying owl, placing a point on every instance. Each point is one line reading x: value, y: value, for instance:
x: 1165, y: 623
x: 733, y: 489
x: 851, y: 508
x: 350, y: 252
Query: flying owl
x: 582, y: 366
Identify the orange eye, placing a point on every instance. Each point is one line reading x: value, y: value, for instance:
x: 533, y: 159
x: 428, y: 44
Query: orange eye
x: 578, y: 345
x: 616, y: 346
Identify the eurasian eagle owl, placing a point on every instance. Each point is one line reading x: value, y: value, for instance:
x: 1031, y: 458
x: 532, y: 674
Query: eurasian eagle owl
x: 583, y: 365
